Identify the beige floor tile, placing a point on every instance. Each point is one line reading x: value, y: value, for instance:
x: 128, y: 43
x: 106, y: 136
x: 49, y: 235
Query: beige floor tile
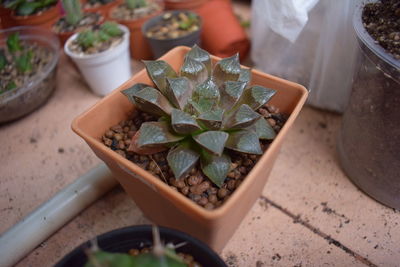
x: 308, y: 181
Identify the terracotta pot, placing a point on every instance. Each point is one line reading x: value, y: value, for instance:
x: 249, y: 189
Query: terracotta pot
x: 192, y: 5
x: 63, y: 36
x: 45, y: 19
x: 140, y: 48
x: 156, y: 199
x: 5, y: 18
x: 222, y: 34
x: 136, y: 237
x: 102, y: 9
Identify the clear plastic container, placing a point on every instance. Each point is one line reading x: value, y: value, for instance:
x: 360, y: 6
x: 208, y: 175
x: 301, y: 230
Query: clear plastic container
x: 23, y: 100
x: 369, y: 140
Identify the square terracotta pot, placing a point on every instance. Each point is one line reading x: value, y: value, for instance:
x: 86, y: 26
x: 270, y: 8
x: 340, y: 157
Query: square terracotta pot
x: 157, y: 200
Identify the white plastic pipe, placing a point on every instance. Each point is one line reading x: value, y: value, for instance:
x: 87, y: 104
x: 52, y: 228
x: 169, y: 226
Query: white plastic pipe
x: 32, y: 230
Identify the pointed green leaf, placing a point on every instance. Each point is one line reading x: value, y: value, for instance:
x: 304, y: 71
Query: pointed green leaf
x: 181, y: 160
x: 245, y: 141
x: 230, y: 93
x: 201, y: 106
x: 256, y: 96
x: 208, y: 90
x: 179, y: 91
x: 212, y: 141
x: 212, y: 119
x: 202, y: 56
x: 152, y: 101
x: 159, y: 71
x: 243, y: 117
x: 264, y: 130
x: 156, y: 133
x: 129, y: 93
x: 227, y: 69
x: 194, y: 70
x: 183, y: 123
x: 215, y: 167
x: 245, y: 75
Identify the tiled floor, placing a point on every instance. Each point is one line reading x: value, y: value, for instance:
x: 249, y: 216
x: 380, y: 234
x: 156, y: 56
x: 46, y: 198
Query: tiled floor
x: 310, y: 214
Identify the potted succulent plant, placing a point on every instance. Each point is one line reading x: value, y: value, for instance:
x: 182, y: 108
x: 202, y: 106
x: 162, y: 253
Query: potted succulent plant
x: 100, y: 53
x: 100, y: 6
x: 141, y: 245
x: 192, y: 119
x: 170, y: 29
x: 132, y: 14
x: 74, y: 20
x: 33, y: 13
x: 28, y: 60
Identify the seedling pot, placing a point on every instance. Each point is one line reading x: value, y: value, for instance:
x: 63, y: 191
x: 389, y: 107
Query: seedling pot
x: 157, y: 200
x: 137, y: 237
x: 44, y: 19
x: 106, y: 70
x: 160, y: 47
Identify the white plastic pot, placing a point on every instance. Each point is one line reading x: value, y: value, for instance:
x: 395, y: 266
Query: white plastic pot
x: 106, y: 70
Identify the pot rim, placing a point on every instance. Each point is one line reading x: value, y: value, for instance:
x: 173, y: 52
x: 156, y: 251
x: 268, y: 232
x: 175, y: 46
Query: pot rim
x: 107, y: 52
x: 51, y: 9
x: 165, y: 189
x: 140, y: 19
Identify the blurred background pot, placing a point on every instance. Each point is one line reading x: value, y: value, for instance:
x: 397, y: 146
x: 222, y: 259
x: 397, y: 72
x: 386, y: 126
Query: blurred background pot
x: 106, y: 70
x: 369, y: 140
x: 192, y: 5
x: 100, y: 6
x: 43, y: 19
x: 138, y: 237
x: 20, y: 101
x: 139, y: 46
x: 153, y: 27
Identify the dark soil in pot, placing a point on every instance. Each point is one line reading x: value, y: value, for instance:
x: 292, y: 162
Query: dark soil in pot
x: 89, y: 19
x: 96, y: 3
x: 195, y: 186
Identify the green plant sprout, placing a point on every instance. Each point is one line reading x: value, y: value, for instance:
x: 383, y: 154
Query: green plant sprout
x: 26, y: 7
x: 133, y: 4
x: 202, y: 113
x: 73, y: 11
x: 89, y: 38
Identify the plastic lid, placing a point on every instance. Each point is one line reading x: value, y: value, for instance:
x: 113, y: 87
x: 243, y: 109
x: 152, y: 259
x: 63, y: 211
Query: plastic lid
x: 383, y: 59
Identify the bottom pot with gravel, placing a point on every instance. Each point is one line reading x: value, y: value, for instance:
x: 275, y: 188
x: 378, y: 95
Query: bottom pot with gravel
x: 188, y: 149
x: 142, y: 246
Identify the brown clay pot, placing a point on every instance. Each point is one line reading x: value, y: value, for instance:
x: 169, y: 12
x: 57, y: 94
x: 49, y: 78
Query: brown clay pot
x: 103, y: 9
x: 222, y: 34
x: 63, y: 36
x: 158, y: 201
x: 45, y: 19
x: 192, y: 5
x: 5, y: 18
x: 139, y: 47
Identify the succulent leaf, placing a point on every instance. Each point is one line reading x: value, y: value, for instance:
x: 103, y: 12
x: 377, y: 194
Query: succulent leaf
x: 202, y: 56
x: 3, y: 59
x: 212, y: 141
x: 245, y: 141
x: 227, y: 69
x: 241, y: 118
x: 103, y: 259
x: 183, y: 123
x: 178, y: 91
x: 215, y: 167
x: 230, y: 93
x: 181, y: 160
x: 159, y: 71
x: 245, y: 75
x: 152, y: 101
x: 194, y: 70
x: 256, y: 96
x: 131, y: 91
x: 154, y: 134
x: 264, y: 130
x: 212, y: 119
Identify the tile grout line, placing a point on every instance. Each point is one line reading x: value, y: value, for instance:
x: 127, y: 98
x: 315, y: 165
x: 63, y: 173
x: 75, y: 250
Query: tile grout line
x: 297, y: 219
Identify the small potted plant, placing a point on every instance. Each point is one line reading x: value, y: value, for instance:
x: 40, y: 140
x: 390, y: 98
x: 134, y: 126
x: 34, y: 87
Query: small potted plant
x: 33, y: 13
x: 133, y: 14
x: 100, y: 6
x: 193, y: 160
x: 102, y: 55
x: 170, y: 29
x: 28, y: 60
x: 74, y: 20
x: 141, y: 245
